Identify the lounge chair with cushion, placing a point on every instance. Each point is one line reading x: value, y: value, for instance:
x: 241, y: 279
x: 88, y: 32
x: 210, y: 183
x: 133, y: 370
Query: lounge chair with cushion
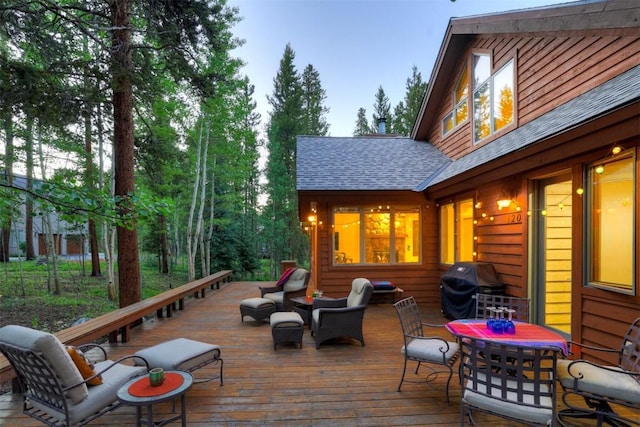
x: 341, y: 317
x: 293, y: 283
x: 56, y: 380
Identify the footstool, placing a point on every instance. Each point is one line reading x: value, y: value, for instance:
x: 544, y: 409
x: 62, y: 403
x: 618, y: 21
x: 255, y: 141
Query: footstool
x: 257, y: 308
x: 286, y: 326
x: 181, y: 354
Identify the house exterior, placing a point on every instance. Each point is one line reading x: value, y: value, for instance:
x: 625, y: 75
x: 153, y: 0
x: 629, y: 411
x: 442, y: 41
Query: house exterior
x: 69, y: 239
x: 528, y: 145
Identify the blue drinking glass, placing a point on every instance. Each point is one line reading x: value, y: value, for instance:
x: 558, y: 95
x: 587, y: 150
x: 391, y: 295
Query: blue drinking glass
x: 498, y: 324
x: 510, y: 327
x: 491, y: 319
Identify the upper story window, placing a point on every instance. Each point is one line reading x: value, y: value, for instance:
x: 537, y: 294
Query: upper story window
x: 376, y: 235
x: 492, y: 96
x: 460, y: 112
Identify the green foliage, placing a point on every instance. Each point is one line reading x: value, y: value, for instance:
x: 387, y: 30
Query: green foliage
x: 404, y: 114
x: 80, y: 296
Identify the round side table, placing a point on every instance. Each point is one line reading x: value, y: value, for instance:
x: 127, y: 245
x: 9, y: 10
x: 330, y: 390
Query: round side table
x: 148, y: 401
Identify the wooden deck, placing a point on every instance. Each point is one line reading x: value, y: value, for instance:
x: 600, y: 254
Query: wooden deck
x: 342, y: 384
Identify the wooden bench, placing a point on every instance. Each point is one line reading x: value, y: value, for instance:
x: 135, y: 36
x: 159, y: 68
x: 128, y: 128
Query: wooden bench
x: 120, y: 321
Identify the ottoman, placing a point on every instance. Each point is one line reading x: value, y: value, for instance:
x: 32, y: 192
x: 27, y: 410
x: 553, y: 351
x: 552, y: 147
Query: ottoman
x: 286, y: 326
x: 181, y: 354
x: 257, y: 308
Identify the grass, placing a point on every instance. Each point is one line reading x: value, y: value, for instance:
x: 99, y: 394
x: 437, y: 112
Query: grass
x: 27, y: 299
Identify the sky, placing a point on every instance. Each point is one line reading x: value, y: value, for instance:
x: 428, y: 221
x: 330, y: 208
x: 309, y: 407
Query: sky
x: 355, y: 45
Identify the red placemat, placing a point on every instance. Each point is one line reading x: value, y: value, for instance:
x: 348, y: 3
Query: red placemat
x: 143, y: 388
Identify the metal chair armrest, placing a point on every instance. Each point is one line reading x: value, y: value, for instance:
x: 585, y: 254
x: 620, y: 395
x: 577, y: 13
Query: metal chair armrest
x: 590, y: 347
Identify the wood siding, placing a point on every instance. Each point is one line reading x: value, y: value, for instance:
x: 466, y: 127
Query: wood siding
x: 549, y: 72
x: 418, y: 280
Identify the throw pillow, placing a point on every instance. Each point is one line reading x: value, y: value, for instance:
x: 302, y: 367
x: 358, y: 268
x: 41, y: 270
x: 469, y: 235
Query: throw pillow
x: 84, y: 365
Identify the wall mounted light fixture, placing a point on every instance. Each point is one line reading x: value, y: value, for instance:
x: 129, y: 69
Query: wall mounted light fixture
x: 504, y: 201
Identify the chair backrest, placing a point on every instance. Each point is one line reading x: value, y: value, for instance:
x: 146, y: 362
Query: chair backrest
x: 410, y: 320
x: 42, y: 365
x: 520, y: 305
x: 516, y: 382
x: 361, y: 290
x: 629, y: 358
x: 298, y: 280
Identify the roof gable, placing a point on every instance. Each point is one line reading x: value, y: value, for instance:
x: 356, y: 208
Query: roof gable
x: 614, y: 16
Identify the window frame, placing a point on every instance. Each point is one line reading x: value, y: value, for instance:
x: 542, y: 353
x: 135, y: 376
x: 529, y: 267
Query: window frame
x: 451, y: 115
x: 590, y: 231
x: 455, y: 230
x: 363, y: 210
x: 489, y: 82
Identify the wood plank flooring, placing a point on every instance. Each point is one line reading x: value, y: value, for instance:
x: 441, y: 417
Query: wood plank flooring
x: 341, y: 384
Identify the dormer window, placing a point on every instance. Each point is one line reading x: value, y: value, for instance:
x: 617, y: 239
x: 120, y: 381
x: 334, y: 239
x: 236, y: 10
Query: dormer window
x: 460, y: 111
x: 492, y: 97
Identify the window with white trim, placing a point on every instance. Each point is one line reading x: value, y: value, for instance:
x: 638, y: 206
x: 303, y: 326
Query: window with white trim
x: 460, y: 112
x: 493, y: 96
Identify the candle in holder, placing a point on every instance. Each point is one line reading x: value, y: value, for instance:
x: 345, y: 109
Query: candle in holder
x: 156, y: 376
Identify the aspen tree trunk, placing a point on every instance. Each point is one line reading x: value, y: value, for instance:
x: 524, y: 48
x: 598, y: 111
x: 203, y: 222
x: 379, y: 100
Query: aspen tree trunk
x: 108, y: 232
x: 47, y: 229
x: 203, y: 191
x: 192, y: 237
x: 207, y: 266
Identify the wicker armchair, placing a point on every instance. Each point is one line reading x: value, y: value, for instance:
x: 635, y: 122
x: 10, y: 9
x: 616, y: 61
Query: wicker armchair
x: 600, y: 385
x: 294, y: 286
x: 508, y: 381
x: 53, y: 387
x: 341, y: 317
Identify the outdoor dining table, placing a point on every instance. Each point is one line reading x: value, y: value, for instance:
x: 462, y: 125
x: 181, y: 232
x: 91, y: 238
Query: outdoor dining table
x: 527, y: 334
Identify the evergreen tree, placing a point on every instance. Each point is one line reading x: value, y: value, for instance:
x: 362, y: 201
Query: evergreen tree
x: 382, y: 109
x: 285, y: 123
x: 362, y: 126
x: 406, y: 112
x: 313, y: 97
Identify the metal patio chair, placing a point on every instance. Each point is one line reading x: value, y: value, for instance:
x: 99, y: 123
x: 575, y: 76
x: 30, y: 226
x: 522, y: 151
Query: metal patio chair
x: 509, y: 381
x: 432, y: 351
x: 54, y: 390
x: 601, y: 386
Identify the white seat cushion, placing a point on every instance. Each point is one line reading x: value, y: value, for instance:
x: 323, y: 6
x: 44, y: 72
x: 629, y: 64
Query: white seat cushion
x: 512, y: 409
x: 430, y: 350
x: 277, y: 297
x: 599, y: 381
x: 257, y: 302
x: 101, y: 395
x: 285, y: 319
x: 53, y: 351
x: 178, y: 354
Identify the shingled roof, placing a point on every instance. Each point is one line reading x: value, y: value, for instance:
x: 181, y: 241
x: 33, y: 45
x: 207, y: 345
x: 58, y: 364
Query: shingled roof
x: 365, y: 163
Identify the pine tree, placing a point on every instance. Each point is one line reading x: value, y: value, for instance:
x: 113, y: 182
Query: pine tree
x: 313, y: 97
x: 286, y: 122
x: 407, y: 111
x: 362, y: 126
x: 381, y: 109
